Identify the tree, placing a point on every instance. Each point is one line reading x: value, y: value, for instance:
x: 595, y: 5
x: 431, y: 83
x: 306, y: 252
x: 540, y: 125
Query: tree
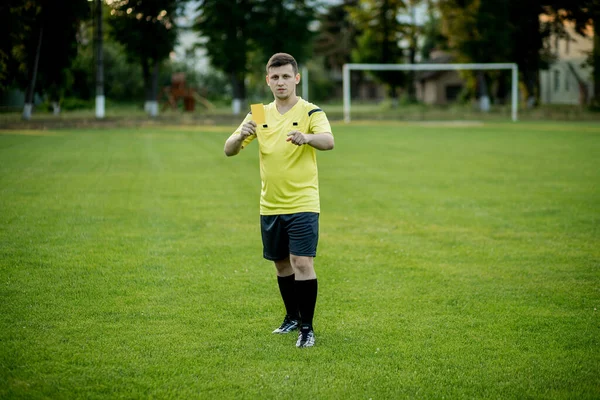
x: 60, y: 45
x: 227, y: 27
x: 380, y: 35
x: 412, y: 31
x: 510, y: 30
x: 32, y: 75
x: 433, y: 38
x: 527, y: 44
x: 99, y: 52
x: 481, y: 32
x: 238, y: 34
x: 122, y: 75
x: 278, y: 16
x: 148, y: 32
x: 16, y: 19
x: 337, y: 35
x: 42, y: 46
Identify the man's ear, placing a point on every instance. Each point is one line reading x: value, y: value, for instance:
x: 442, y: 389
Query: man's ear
x: 297, y: 78
x: 267, y: 79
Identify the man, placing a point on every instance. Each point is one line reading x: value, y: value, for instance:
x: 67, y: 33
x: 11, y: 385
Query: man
x: 289, y: 203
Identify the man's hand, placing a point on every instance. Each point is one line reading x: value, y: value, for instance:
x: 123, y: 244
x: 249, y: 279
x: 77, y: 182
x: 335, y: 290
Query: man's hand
x: 233, y: 144
x: 248, y: 129
x: 298, y: 138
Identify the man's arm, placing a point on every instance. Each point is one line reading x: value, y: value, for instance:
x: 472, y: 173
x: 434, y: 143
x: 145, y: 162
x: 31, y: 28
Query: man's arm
x: 320, y: 141
x: 233, y: 144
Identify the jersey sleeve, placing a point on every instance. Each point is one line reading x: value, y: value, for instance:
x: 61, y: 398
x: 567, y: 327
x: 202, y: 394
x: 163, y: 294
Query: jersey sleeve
x: 318, y: 121
x: 239, y: 129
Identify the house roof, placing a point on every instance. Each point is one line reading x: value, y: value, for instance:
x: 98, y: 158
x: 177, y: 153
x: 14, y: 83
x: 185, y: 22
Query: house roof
x: 439, y: 59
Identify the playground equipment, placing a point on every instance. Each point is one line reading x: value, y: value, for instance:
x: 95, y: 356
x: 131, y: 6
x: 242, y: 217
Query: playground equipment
x: 171, y: 95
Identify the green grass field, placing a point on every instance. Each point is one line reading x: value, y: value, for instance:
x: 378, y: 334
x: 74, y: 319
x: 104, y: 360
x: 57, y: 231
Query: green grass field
x: 454, y: 262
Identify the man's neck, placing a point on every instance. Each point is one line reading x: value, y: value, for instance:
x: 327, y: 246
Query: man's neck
x: 285, y: 105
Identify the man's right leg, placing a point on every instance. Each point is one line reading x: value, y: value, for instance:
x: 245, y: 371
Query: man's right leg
x: 286, y: 281
x: 276, y: 248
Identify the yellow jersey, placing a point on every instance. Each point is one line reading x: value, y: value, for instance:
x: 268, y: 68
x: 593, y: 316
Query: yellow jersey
x: 289, y: 176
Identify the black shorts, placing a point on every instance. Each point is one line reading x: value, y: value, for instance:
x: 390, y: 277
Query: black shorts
x: 286, y: 234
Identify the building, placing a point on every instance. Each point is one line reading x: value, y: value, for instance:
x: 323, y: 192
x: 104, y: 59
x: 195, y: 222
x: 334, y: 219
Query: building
x: 568, y: 79
x: 438, y: 87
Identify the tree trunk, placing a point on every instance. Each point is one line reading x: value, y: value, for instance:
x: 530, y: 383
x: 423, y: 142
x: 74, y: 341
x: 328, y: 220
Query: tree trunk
x: 530, y: 78
x: 484, y: 97
x: 99, y: 63
x: 56, y: 107
x: 152, y: 93
x: 412, y: 53
x: 33, y: 74
x: 393, y: 93
x: 146, y: 75
x: 412, y: 88
x: 239, y: 92
x: 502, y: 88
x: 528, y: 45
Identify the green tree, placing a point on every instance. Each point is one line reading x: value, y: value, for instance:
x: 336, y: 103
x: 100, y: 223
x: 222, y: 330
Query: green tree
x: 378, y: 42
x: 59, y: 48
x: 16, y: 24
x: 510, y: 30
x: 227, y: 28
x: 148, y: 32
x: 433, y: 38
x: 477, y: 29
x: 122, y: 78
x: 41, y: 46
x: 279, y: 16
x: 239, y: 35
x: 412, y: 32
x: 527, y: 44
x: 337, y: 35
x: 290, y: 16
x: 478, y: 32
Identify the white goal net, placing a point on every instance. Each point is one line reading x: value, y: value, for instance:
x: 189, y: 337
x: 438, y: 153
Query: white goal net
x: 430, y: 67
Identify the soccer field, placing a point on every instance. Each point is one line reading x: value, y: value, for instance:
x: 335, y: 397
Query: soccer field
x: 455, y: 261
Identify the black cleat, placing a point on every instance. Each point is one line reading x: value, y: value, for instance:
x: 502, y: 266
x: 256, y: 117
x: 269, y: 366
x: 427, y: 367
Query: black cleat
x: 306, y: 337
x: 289, y: 324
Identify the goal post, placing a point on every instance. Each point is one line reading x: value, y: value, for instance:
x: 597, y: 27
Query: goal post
x: 431, y: 67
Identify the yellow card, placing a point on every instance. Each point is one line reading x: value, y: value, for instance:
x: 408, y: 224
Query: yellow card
x: 258, y: 113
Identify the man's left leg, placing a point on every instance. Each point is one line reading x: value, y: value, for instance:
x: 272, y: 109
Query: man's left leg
x: 306, y: 292
x: 286, y: 280
x: 303, y: 232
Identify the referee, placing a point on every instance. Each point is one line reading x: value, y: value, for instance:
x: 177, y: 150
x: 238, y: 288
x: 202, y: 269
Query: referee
x: 289, y: 200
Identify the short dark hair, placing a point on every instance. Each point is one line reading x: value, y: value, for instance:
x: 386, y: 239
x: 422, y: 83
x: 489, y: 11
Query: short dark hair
x: 281, y: 59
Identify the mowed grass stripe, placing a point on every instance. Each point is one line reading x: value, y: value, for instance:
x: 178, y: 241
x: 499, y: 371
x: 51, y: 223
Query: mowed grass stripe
x: 454, y: 261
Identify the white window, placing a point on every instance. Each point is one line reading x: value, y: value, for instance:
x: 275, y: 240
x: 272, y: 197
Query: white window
x: 556, y: 80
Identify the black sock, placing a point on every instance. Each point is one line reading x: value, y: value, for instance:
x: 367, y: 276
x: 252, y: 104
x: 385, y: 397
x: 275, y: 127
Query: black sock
x: 306, y: 292
x: 288, y: 294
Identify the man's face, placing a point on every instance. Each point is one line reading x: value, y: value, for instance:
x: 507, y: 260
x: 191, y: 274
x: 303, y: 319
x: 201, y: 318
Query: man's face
x: 283, y: 81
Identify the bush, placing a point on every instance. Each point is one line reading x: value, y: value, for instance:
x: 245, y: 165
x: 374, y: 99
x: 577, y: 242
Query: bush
x: 73, y: 103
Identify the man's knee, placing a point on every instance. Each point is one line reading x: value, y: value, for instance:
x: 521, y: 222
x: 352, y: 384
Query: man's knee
x: 303, y: 266
x: 284, y: 267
